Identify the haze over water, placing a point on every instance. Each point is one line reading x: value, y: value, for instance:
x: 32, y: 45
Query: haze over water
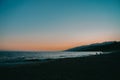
x: 17, y: 57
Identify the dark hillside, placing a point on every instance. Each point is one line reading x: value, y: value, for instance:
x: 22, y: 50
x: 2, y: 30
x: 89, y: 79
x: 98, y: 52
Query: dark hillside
x: 105, y: 46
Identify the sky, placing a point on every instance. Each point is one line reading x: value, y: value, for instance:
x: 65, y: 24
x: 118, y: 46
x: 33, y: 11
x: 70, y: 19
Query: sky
x: 51, y: 25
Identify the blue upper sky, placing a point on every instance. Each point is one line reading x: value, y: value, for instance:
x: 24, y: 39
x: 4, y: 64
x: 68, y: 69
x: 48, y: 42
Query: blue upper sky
x: 57, y: 24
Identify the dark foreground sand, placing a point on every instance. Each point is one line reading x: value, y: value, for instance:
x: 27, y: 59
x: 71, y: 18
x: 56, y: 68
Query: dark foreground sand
x: 99, y: 67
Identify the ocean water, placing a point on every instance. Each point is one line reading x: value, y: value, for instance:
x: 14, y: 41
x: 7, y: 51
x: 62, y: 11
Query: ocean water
x: 10, y: 57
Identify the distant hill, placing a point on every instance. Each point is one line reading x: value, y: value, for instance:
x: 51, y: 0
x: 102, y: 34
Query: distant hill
x: 105, y: 46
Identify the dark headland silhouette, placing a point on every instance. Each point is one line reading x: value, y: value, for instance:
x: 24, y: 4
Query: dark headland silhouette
x: 94, y: 67
x: 104, y: 46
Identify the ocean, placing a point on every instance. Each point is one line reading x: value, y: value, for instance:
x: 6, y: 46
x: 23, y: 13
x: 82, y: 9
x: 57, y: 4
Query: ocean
x: 21, y: 57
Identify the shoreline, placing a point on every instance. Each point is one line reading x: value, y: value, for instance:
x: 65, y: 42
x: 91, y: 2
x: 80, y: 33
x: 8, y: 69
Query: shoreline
x: 94, y: 67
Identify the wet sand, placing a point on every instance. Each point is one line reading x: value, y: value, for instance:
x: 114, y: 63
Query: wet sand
x: 97, y: 67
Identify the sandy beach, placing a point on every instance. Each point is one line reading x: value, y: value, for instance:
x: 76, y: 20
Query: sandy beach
x: 96, y: 67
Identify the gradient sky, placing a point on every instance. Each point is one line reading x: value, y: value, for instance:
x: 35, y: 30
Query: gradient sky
x: 57, y: 24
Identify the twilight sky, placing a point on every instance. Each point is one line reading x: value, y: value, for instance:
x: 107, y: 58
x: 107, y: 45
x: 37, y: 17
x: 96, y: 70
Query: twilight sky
x: 57, y: 24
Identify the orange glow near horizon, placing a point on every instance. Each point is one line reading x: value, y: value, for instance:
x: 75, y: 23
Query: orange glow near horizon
x: 48, y: 46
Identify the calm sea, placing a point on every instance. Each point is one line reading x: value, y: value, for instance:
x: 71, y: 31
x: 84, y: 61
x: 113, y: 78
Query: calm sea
x: 10, y: 57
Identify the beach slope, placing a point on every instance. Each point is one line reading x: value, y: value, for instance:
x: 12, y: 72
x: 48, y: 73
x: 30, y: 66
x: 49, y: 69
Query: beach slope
x: 96, y: 67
